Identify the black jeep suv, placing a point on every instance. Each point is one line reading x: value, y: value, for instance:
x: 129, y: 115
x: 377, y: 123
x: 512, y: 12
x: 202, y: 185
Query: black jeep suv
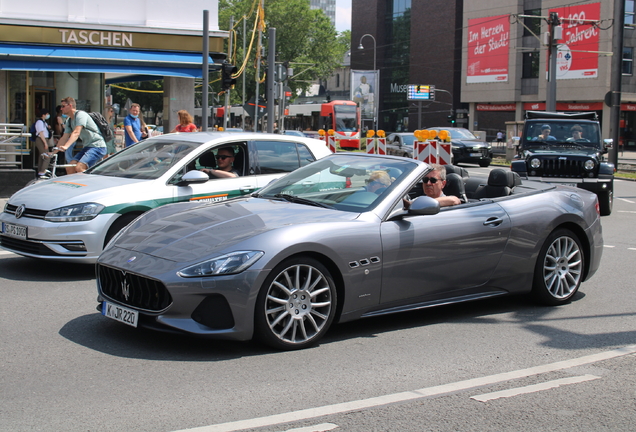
x: 566, y: 149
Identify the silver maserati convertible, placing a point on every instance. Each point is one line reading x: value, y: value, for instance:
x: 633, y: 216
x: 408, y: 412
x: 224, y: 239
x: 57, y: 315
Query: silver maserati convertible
x: 325, y: 244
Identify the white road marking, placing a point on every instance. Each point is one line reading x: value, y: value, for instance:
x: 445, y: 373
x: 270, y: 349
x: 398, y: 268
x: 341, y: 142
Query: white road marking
x: 3, y: 252
x: 439, y: 390
x: 631, y: 248
x: 626, y: 211
x: 318, y: 428
x: 626, y: 200
x: 533, y: 388
x: 608, y: 246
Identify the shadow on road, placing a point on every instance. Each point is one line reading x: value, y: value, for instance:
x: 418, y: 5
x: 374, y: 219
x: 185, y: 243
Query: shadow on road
x: 37, y: 270
x: 101, y: 334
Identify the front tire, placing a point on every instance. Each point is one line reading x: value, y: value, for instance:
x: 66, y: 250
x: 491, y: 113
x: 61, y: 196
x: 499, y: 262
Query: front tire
x: 296, y: 304
x: 606, y: 202
x: 559, y: 269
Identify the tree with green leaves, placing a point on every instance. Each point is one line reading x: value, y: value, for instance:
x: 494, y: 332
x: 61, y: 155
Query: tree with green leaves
x: 305, y: 40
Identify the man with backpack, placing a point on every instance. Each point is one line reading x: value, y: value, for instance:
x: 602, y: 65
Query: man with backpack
x: 80, y: 125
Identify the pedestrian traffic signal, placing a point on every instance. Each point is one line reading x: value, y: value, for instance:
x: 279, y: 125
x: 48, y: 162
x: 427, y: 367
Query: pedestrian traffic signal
x: 227, y: 81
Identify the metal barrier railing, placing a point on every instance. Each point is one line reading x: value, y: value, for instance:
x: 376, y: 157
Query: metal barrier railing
x: 13, y: 139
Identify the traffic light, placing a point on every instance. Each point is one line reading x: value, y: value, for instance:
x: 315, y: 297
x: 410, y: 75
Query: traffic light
x: 227, y: 71
x: 452, y: 117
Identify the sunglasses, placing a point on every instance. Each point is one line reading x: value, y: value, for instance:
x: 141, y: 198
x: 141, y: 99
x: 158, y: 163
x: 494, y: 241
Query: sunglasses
x: 433, y: 180
x: 222, y: 157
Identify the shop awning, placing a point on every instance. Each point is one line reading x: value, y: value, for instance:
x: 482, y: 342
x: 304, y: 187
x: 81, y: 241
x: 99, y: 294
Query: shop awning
x: 100, y: 60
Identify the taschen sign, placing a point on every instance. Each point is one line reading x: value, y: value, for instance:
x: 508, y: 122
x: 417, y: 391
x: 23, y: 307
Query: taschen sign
x: 496, y: 107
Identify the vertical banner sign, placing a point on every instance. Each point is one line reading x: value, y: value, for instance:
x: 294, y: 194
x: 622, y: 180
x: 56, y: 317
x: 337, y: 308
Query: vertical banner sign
x: 578, y: 36
x: 364, y: 85
x: 488, y: 49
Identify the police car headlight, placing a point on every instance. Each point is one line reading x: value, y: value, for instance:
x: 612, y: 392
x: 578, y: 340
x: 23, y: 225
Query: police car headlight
x: 231, y: 263
x: 535, y: 163
x: 589, y: 164
x: 74, y: 213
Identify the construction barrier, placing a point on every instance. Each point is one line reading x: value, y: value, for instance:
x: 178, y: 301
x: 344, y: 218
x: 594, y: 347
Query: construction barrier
x: 331, y: 143
x: 431, y: 150
x: 381, y: 146
x: 371, y: 145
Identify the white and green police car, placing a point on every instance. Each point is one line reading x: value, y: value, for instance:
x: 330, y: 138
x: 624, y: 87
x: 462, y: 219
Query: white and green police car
x: 73, y: 217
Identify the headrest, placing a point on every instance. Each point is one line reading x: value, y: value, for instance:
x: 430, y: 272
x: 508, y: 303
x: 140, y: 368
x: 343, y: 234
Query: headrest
x: 454, y: 185
x: 498, y: 177
x: 454, y: 169
x: 514, y: 179
x: 207, y: 159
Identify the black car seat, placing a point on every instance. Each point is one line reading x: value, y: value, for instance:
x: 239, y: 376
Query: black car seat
x: 207, y: 160
x: 239, y: 161
x: 454, y: 169
x: 499, y: 185
x: 455, y: 186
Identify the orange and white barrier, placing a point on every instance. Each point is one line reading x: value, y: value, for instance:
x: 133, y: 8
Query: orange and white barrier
x: 370, y: 145
x: 331, y: 143
x: 444, y: 153
x: 381, y: 146
x: 431, y: 150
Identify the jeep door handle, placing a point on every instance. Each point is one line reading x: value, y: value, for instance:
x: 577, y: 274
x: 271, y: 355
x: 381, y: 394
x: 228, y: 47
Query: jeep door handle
x: 493, y: 221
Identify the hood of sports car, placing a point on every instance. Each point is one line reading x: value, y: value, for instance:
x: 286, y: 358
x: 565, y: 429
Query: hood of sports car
x: 75, y: 189
x: 187, y: 232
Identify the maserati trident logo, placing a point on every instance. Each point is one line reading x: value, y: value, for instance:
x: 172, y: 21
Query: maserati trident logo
x: 20, y: 211
x: 125, y: 286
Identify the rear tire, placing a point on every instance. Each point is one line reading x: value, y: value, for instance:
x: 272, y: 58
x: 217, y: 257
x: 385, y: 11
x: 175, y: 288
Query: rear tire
x: 296, y: 304
x: 484, y: 164
x: 559, y: 268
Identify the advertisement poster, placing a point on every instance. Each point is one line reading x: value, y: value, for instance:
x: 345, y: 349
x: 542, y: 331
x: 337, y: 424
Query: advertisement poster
x: 364, y: 90
x: 579, y: 36
x: 488, y: 49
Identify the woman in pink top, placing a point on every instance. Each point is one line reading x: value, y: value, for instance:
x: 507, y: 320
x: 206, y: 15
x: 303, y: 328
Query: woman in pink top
x: 185, y: 123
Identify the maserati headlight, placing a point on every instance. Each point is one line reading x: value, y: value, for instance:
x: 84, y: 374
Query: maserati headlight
x: 74, y: 213
x: 535, y: 163
x: 589, y: 164
x: 231, y: 263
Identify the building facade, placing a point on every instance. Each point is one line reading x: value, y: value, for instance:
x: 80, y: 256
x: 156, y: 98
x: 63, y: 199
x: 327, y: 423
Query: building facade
x: 73, y: 48
x: 489, y: 62
x: 327, y: 6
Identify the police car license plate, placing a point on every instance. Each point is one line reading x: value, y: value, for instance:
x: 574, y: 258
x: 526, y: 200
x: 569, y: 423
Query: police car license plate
x: 120, y: 313
x: 13, y: 230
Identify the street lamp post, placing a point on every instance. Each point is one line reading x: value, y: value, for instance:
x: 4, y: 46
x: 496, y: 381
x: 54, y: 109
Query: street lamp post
x: 377, y: 84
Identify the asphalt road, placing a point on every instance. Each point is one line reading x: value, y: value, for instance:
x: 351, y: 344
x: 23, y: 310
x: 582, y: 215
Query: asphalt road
x: 66, y: 368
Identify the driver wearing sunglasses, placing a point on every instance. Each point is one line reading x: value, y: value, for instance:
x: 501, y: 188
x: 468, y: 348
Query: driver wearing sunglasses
x: 433, y: 184
x: 224, y: 160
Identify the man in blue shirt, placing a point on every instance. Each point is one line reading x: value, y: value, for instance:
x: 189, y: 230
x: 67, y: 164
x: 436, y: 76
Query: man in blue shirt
x: 132, y: 125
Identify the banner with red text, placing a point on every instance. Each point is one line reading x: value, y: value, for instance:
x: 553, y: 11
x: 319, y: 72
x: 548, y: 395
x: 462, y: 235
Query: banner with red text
x: 488, y: 49
x: 579, y: 35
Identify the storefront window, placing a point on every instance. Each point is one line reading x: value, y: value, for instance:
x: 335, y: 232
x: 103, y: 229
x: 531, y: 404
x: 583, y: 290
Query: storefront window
x: 17, y: 97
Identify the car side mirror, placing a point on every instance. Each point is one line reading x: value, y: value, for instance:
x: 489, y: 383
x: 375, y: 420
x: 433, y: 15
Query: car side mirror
x: 193, y: 177
x: 424, y: 205
x: 608, y: 143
